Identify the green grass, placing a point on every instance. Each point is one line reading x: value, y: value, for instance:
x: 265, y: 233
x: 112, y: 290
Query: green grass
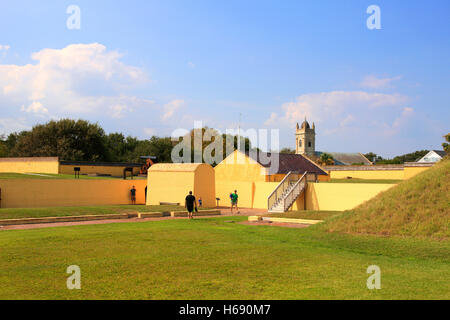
x: 418, y: 207
x: 16, y: 213
x: 309, y: 214
x: 215, y: 259
x: 353, y: 180
x: 46, y: 176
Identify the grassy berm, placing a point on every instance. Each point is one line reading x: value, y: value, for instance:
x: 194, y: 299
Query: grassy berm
x: 418, y: 207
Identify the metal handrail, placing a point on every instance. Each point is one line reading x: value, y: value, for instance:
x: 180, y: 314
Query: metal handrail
x: 275, y: 192
x: 282, y: 187
x: 288, y: 204
x: 274, y: 196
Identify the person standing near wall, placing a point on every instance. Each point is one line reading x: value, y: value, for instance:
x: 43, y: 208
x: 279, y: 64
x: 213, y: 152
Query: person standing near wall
x: 189, y: 204
x: 133, y: 195
x: 234, y: 201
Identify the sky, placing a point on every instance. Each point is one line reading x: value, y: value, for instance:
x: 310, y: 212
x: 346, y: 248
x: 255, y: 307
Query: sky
x: 149, y: 68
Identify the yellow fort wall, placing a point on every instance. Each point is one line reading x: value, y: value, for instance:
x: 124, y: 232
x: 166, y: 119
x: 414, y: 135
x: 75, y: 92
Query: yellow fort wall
x: 341, y: 196
x: 29, y: 165
x: 204, y: 185
x: 410, y: 172
x: 237, y: 167
x: 34, y: 193
x: 172, y: 182
x: 389, y: 172
x: 319, y: 196
x: 397, y: 174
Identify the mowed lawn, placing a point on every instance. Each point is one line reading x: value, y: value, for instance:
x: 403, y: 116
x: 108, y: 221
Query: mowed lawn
x: 217, y: 258
x: 306, y: 214
x: 17, y: 213
x: 46, y: 176
x: 355, y: 180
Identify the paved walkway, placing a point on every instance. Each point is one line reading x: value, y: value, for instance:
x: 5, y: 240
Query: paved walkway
x: 225, y: 212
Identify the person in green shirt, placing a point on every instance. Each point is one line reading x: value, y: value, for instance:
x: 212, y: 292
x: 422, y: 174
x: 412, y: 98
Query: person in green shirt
x: 234, y: 201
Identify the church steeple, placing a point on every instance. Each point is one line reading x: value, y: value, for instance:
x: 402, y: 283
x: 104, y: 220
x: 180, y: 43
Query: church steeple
x: 306, y: 139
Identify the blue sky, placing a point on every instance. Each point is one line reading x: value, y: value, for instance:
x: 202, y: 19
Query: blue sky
x: 149, y: 67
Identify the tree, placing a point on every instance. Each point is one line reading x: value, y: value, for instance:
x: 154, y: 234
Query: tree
x: 119, y: 148
x: 287, y: 150
x: 373, y: 157
x: 161, y: 148
x: 229, y: 143
x: 67, y: 139
x: 3, y: 147
x: 326, y: 159
x: 445, y: 145
x: 409, y: 157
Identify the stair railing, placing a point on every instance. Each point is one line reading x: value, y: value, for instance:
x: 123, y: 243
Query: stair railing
x: 281, y: 188
x: 296, y: 190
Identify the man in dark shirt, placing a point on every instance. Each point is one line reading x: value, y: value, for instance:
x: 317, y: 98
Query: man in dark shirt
x: 133, y: 195
x: 190, y: 204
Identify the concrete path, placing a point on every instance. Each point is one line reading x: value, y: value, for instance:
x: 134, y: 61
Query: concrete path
x: 225, y: 212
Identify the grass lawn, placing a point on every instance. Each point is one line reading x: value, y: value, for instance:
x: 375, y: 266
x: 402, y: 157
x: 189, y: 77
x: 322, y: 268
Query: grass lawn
x: 382, y: 181
x: 308, y: 214
x: 16, y: 213
x: 418, y: 207
x: 7, y: 176
x: 216, y: 259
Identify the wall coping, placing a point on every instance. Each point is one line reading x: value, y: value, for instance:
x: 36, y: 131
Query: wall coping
x: 28, y: 159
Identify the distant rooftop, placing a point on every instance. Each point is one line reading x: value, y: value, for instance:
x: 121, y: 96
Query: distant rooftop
x: 442, y: 153
x: 287, y: 163
x: 346, y: 159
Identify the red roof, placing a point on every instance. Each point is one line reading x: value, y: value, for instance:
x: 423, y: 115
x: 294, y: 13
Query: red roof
x: 286, y: 163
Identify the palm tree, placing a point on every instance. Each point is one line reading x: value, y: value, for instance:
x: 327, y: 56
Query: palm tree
x: 326, y: 159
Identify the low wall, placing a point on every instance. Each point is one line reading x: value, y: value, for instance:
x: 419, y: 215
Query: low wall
x: 30, y: 165
x: 393, y: 174
x: 341, y: 196
x: 379, y: 172
x: 22, y: 193
x: 319, y: 196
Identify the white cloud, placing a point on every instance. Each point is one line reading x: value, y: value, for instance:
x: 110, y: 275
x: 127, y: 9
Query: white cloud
x: 191, y: 65
x: 149, y: 132
x: 35, y: 107
x: 373, y: 82
x: 9, y: 125
x: 404, y: 116
x: 333, y: 105
x: 4, y: 47
x: 170, y: 108
x: 80, y: 78
x: 272, y: 119
x: 117, y: 111
x: 347, y: 119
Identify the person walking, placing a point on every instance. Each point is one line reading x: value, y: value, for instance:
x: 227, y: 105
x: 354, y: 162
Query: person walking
x: 234, y: 201
x: 190, y: 204
x: 133, y: 195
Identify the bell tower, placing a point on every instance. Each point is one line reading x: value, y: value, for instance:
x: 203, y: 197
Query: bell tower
x: 305, y: 138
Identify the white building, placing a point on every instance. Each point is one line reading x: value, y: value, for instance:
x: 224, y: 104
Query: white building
x: 433, y: 156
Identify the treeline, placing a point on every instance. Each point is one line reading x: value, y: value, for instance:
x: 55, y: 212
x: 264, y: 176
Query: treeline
x: 80, y: 140
x: 409, y: 157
